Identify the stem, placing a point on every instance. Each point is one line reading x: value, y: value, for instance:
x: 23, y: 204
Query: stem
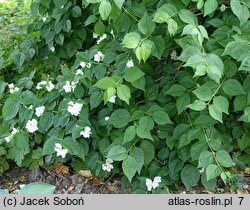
x: 207, y: 140
x: 130, y: 14
x: 216, y: 91
x: 190, y: 122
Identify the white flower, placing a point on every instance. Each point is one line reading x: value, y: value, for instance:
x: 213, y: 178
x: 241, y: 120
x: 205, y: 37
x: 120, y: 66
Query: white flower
x: 104, y: 36
x: 108, y: 165
x: 86, y: 132
x: 31, y: 126
x: 30, y: 107
x: 223, y: 8
x: 106, y: 118
x: 44, y: 19
x: 82, y: 64
x: 112, y: 33
x: 39, y: 111
x: 79, y: 72
x: 130, y: 63
x: 74, y: 108
x: 95, y: 35
x: 60, y: 151
x: 50, y: 86
x: 112, y: 99
x: 52, y: 49
x: 67, y: 87
x: 22, y: 186
x: 153, y: 184
x: 14, y: 131
x: 12, y: 88
x: 173, y: 55
x: 8, y: 139
x: 99, y: 56
x: 88, y: 65
x: 45, y: 84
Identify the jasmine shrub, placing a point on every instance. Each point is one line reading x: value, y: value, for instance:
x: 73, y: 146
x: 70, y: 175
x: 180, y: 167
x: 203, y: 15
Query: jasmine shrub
x: 156, y: 91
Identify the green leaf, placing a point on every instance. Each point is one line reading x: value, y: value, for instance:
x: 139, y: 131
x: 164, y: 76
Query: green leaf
x: 131, y: 40
x: 132, y: 74
x: 120, y: 118
x: 246, y: 116
x: 224, y: 159
x: 240, y: 10
x: 129, y: 167
x: 215, y: 112
x: 245, y: 65
x: 161, y: 118
x: 233, y: 88
x: 45, y: 121
x: 176, y: 90
x: 146, y: 124
x: 222, y: 103
x: 139, y: 84
x: 203, y: 93
x: 188, y: 17
x: 59, y: 3
x: 129, y: 134
x: 105, y: 9
x: 21, y: 140
x: 144, y: 50
x: 123, y: 92
x: 182, y: 103
x: 172, y: 27
x: 146, y: 25
x: 209, y: 185
x: 106, y: 83
x: 215, y: 67
x: 138, y: 155
x: 239, y: 50
x: 210, y: 6
x: 19, y: 59
x: 117, y: 153
x: 49, y: 146
x: 148, y: 150
x: 205, y: 159
x: 212, y: 171
x: 190, y: 176
x: 161, y: 16
x: 108, y: 94
x: 119, y: 3
x: 10, y: 109
x: 37, y: 188
x: 197, y: 105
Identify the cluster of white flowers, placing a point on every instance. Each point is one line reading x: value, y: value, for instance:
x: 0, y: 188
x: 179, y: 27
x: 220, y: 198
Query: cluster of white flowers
x: 153, y: 184
x: 44, y: 19
x: 69, y: 87
x: 86, y: 132
x: 39, y: 111
x: 99, y: 56
x: 100, y: 38
x: 10, y: 137
x: 60, y: 151
x: 31, y: 126
x: 130, y: 63
x: 45, y: 84
x: 173, y: 55
x: 106, y: 118
x: 74, y: 108
x: 108, y: 165
x: 30, y: 107
x: 112, y: 99
x: 223, y: 7
x: 12, y: 88
x: 84, y: 64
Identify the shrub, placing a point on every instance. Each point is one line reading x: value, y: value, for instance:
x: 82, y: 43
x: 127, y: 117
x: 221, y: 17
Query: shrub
x: 157, y: 90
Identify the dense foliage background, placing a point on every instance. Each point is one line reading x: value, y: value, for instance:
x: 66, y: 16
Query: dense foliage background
x: 155, y: 90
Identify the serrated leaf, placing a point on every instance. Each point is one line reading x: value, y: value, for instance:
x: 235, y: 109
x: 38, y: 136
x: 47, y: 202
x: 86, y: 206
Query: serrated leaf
x: 129, y: 134
x: 161, y: 118
x: 210, y: 6
x: 205, y: 159
x: 138, y: 154
x: 215, y: 112
x: 132, y: 74
x: 120, y: 118
x: 144, y: 50
x: 106, y: 83
x: 131, y: 40
x: 240, y: 10
x: 146, y: 25
x: 149, y: 151
x: 188, y: 17
x: 238, y: 50
x: 197, y: 105
x: 123, y: 92
x: 129, y: 167
x: 105, y: 9
x: 119, y: 3
x: 172, y: 27
x: 233, y: 88
x: 10, y: 109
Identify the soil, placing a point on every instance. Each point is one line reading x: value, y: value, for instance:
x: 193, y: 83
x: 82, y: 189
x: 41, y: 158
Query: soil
x: 84, y: 183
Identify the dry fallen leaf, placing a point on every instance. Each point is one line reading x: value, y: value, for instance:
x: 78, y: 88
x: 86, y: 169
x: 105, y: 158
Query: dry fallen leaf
x: 70, y: 189
x: 22, y: 179
x: 112, y: 187
x: 61, y: 168
x: 247, y: 171
x: 86, y: 174
x: 97, y: 181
